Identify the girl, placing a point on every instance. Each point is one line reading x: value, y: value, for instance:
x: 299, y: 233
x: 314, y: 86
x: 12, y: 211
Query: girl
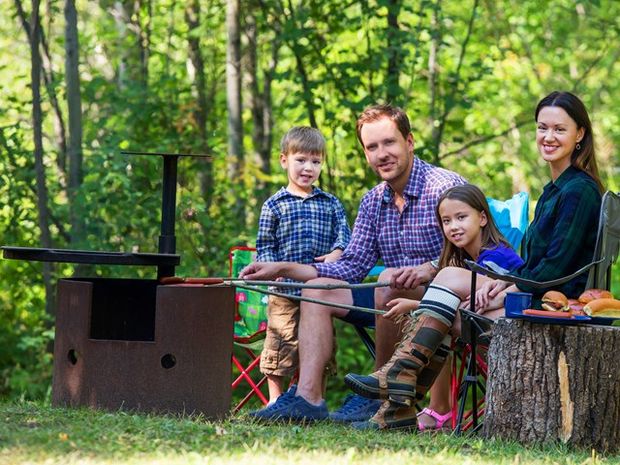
x: 469, y: 232
x: 556, y: 244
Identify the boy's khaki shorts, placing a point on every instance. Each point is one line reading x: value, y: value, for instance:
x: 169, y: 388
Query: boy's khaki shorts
x: 280, y: 356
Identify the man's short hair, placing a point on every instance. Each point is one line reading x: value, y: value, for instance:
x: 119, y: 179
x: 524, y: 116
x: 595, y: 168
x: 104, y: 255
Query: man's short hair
x: 376, y: 112
x: 303, y: 139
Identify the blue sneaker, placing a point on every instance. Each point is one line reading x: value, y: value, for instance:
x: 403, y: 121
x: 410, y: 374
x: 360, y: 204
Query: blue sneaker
x: 355, y: 408
x: 291, y: 408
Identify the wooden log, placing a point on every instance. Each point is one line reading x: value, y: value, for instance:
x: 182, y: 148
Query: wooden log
x: 550, y: 383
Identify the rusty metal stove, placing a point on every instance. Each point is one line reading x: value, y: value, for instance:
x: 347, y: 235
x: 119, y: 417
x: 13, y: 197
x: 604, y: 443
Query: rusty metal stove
x: 135, y: 344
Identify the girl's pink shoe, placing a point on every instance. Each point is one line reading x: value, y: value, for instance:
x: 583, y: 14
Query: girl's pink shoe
x: 440, y: 420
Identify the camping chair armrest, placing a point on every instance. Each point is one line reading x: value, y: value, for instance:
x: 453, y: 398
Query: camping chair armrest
x: 505, y: 276
x: 483, y: 320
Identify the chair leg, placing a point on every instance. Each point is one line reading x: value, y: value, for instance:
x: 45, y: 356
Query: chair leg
x: 244, y: 375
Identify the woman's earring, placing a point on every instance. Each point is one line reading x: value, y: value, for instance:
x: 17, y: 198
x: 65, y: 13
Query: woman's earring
x: 578, y: 146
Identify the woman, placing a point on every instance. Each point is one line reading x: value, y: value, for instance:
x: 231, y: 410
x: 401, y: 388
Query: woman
x: 560, y: 240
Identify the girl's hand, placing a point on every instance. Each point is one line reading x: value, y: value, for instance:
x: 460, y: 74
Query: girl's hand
x: 400, y: 306
x: 333, y: 256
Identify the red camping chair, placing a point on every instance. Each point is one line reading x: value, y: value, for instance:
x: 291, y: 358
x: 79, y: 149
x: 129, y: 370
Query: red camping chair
x: 249, y: 332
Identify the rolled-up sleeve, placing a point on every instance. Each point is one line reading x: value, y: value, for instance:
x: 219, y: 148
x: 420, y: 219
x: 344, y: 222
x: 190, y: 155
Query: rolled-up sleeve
x: 360, y: 255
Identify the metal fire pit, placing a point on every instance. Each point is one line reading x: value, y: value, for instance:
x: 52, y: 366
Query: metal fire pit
x: 134, y: 344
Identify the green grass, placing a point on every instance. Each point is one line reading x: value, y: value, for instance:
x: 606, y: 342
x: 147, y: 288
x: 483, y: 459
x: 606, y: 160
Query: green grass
x: 33, y: 433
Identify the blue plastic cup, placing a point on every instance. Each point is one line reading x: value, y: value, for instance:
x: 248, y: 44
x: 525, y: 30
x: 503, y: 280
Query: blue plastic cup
x: 516, y: 302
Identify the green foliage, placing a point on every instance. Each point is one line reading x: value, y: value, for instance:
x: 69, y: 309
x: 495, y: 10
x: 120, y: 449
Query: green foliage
x: 468, y: 73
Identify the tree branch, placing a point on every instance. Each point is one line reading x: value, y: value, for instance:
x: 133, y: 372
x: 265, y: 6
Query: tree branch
x: 487, y: 138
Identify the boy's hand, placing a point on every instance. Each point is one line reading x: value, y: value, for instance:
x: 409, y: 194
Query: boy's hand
x: 333, y: 256
x: 400, y: 306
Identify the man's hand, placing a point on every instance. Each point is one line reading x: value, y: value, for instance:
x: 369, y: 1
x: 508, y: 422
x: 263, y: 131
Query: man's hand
x: 261, y: 271
x: 333, y: 256
x: 410, y: 277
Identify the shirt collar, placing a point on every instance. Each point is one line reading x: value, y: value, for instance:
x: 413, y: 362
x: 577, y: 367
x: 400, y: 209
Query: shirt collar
x: 414, y: 183
x: 568, y: 174
x: 283, y: 192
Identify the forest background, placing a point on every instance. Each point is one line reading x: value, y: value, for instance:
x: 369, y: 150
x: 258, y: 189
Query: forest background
x: 83, y: 80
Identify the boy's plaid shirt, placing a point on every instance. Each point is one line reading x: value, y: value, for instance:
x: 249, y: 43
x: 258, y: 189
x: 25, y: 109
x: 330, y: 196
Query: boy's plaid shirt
x: 299, y: 229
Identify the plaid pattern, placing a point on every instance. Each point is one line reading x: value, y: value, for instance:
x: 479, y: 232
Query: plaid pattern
x: 380, y: 231
x: 298, y: 229
x: 562, y: 236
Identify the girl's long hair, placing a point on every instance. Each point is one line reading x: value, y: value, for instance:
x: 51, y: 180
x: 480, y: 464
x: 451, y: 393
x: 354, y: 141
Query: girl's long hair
x: 584, y: 157
x: 452, y: 255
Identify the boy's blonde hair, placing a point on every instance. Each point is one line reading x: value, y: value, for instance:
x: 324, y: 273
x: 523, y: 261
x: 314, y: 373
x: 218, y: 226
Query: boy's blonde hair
x: 303, y: 139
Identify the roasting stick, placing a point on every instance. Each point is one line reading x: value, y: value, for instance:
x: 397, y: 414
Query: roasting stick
x: 314, y: 301
x: 252, y: 286
x: 237, y: 282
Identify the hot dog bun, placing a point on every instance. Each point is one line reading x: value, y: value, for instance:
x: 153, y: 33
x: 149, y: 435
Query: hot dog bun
x: 593, y: 294
x: 576, y: 307
x: 555, y: 301
x: 603, y: 307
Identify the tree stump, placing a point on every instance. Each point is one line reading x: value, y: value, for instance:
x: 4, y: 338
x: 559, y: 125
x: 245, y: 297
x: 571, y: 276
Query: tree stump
x: 551, y: 383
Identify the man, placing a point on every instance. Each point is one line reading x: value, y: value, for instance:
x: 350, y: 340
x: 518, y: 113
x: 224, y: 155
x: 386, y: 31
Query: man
x: 396, y: 223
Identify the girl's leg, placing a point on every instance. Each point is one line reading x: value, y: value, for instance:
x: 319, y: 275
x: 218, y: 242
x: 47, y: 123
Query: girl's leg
x: 440, y: 398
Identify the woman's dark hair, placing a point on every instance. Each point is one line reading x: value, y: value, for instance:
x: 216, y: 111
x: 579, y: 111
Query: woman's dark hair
x: 583, y: 158
x: 470, y: 194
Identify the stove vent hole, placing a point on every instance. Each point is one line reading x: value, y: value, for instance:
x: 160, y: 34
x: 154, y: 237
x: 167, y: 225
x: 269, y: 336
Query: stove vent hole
x: 72, y: 355
x: 168, y: 361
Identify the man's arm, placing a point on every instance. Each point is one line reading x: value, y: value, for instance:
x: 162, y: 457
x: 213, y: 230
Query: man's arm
x: 259, y: 271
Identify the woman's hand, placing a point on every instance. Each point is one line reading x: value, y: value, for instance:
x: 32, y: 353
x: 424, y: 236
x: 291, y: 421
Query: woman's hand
x: 489, y: 292
x: 400, y: 306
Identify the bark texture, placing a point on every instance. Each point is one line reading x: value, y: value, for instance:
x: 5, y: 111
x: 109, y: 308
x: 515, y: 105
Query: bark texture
x: 550, y: 383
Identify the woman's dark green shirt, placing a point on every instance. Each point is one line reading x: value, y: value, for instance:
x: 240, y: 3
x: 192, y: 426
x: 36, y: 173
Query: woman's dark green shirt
x: 562, y: 236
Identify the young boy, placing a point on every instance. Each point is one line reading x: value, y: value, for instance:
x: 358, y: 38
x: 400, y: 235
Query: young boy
x: 299, y: 223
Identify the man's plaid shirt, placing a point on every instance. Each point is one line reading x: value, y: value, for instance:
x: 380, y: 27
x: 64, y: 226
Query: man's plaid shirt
x: 409, y: 238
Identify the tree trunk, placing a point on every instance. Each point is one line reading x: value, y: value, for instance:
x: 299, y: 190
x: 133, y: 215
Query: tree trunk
x: 74, y: 105
x: 48, y: 78
x: 192, y: 18
x: 233, y: 99
x: 260, y: 103
x: 551, y: 383
x: 394, y: 53
x: 37, y: 122
x: 133, y: 64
